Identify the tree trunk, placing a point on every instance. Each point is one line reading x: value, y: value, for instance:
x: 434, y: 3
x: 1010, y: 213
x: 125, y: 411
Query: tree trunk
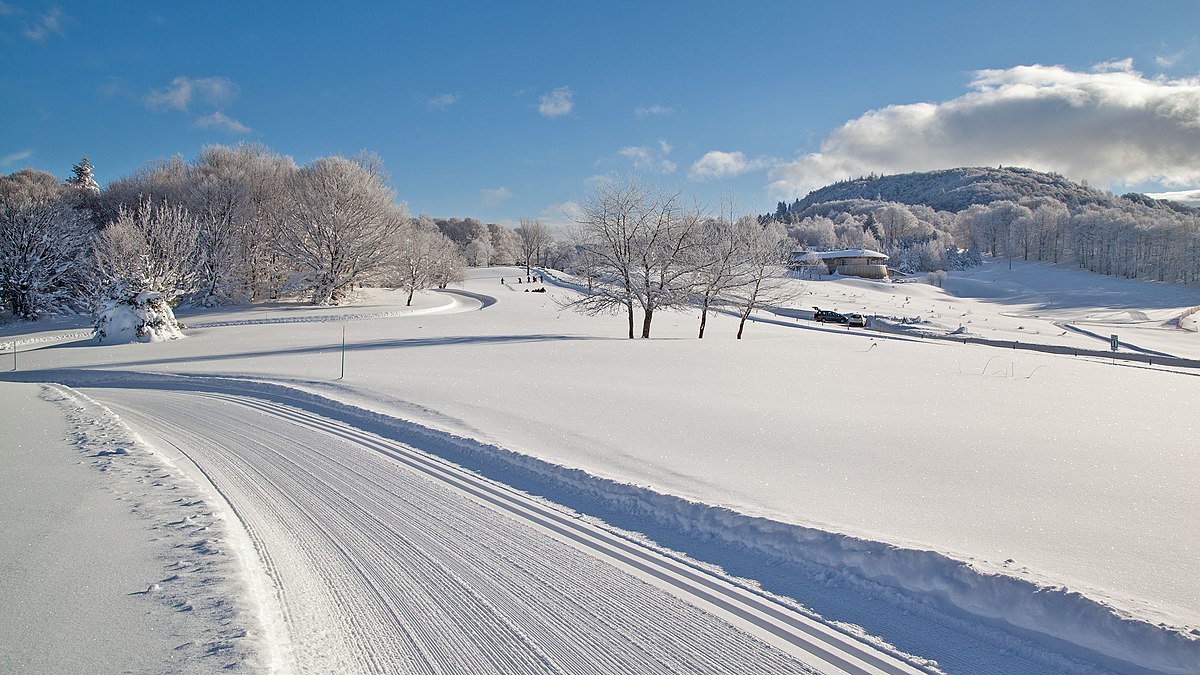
x: 646, y: 322
x: 411, y: 291
x: 629, y: 306
x: 703, y: 317
x: 742, y: 323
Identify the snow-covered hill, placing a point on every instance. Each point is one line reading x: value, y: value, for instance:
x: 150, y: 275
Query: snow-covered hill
x: 957, y: 189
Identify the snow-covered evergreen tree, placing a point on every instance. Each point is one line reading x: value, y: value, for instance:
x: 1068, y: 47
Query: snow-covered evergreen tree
x: 82, y: 177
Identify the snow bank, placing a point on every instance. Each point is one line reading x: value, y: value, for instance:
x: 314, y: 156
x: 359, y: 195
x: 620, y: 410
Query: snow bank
x: 879, y: 569
x: 450, y: 305
x: 915, y: 579
x: 169, y: 593
x: 9, y: 345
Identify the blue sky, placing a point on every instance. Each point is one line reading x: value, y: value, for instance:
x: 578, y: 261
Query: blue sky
x: 507, y: 110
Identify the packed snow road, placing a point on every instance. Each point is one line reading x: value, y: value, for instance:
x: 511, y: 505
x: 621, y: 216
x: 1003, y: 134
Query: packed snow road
x: 386, y: 558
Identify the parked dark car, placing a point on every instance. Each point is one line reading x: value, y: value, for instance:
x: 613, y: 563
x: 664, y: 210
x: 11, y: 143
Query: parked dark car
x: 827, y: 316
x: 857, y: 320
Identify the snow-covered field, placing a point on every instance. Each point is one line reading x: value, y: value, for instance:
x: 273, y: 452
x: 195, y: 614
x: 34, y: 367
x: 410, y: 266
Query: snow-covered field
x: 1032, y: 302
x: 993, y: 510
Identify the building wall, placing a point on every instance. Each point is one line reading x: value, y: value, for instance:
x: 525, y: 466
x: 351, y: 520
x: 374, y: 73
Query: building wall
x: 865, y: 271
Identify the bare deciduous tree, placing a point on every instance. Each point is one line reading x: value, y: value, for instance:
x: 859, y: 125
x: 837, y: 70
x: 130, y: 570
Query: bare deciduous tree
x: 342, y: 227
x: 762, y: 253
x: 145, y: 259
x: 611, y: 221
x: 40, y: 248
x: 640, y: 248
x: 716, y: 274
x: 532, y: 237
x: 665, y: 256
x: 151, y: 248
x: 426, y: 259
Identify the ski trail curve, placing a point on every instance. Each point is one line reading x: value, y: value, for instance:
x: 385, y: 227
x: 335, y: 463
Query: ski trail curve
x: 387, y: 558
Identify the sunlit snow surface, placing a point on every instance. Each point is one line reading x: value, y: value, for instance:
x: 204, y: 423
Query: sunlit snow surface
x: 1065, y: 472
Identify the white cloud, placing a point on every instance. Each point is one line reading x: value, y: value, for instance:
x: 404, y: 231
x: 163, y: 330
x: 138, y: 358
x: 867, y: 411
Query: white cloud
x: 1114, y: 66
x: 494, y: 196
x: 646, y: 158
x: 1168, y: 60
x: 1189, y: 197
x: 1112, y: 126
x: 717, y: 164
x: 442, y: 101
x: 12, y: 158
x: 183, y: 90
x: 43, y: 25
x: 561, y: 217
x: 655, y: 110
x: 6, y: 9
x: 223, y: 122
x: 556, y: 103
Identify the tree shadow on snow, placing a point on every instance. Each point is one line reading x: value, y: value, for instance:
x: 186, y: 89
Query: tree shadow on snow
x: 371, y: 345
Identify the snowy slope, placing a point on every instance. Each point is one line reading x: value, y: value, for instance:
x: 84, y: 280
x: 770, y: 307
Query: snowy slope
x: 1037, y: 471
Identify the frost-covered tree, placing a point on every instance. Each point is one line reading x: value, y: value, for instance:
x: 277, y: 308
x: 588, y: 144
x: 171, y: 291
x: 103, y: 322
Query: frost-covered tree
x: 82, y: 177
x: 504, y: 245
x: 763, y: 252
x: 532, y: 237
x: 163, y: 180
x: 816, y: 232
x: 643, y: 246
x: 42, y: 237
x: 557, y: 254
x: 425, y: 259
x: 608, y: 231
x: 41, y: 245
x: 342, y: 226
x: 480, y: 252
x: 29, y: 186
x: 145, y: 260
x: 666, y: 257
x: 717, y: 272
x: 894, y: 223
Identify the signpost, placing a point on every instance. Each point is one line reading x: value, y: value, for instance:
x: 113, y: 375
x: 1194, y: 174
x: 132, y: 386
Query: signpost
x: 1113, y: 342
x: 343, y: 373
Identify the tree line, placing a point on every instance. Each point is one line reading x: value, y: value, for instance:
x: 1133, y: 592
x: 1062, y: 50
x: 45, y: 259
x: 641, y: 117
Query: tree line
x: 640, y: 248
x: 236, y: 225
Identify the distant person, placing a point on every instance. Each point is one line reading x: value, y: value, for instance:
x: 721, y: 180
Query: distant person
x: 501, y: 281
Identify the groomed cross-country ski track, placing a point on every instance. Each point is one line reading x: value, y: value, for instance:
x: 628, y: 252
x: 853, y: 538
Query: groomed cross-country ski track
x: 383, y: 557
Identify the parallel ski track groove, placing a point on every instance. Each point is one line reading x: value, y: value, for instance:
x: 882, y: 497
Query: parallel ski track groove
x: 241, y: 475
x: 566, y: 650
x: 437, y: 654
x: 847, y: 654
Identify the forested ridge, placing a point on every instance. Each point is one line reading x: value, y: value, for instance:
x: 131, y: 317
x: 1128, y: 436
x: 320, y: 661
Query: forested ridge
x: 927, y: 220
